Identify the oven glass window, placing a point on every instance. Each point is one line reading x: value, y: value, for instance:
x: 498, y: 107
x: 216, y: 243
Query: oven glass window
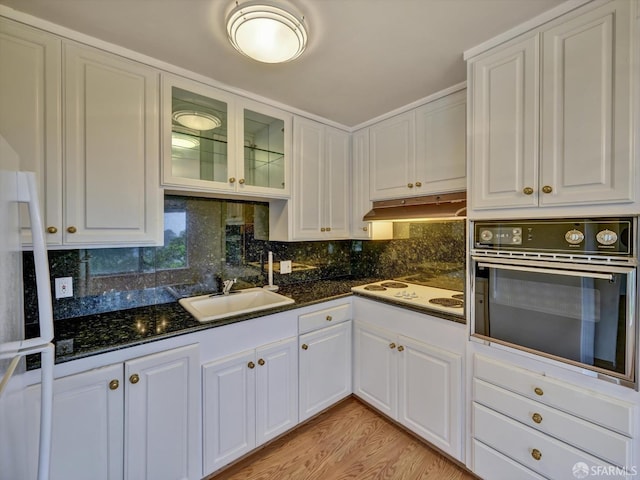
x: 575, y: 317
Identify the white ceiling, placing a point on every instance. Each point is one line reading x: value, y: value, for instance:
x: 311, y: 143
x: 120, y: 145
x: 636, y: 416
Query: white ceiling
x: 364, y: 58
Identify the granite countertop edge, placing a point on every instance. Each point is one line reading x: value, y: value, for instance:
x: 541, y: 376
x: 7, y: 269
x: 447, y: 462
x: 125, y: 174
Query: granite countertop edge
x: 106, y: 332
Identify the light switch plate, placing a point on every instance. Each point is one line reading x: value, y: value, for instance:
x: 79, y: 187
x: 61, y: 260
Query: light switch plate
x: 64, y: 287
x: 285, y: 266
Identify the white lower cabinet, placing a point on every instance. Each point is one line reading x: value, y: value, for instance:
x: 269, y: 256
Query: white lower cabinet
x: 417, y: 384
x: 248, y: 399
x: 325, y: 368
x: 531, y: 424
x: 132, y: 420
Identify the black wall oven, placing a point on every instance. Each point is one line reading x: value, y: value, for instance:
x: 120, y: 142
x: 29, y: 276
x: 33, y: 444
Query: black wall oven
x: 560, y: 288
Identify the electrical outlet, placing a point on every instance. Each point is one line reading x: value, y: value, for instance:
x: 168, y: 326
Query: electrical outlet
x: 285, y: 266
x: 64, y: 287
x: 64, y: 347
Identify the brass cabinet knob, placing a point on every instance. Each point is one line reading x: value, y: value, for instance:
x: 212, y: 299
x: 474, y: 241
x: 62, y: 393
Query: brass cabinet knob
x: 410, y: 185
x: 114, y: 384
x: 72, y: 229
x: 365, y: 229
x: 241, y: 181
x: 536, y: 417
x: 538, y: 391
x: 401, y: 348
x: 392, y: 346
x: 305, y: 346
x: 329, y: 318
x: 547, y: 189
x: 322, y: 229
x: 261, y: 362
x: 232, y: 180
x: 418, y: 184
x: 328, y: 229
x: 251, y: 365
x: 135, y: 378
x: 527, y: 190
x: 536, y: 454
x: 52, y: 230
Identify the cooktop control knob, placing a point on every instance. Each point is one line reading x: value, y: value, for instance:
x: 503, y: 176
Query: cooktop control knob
x: 486, y: 235
x: 606, y: 237
x: 574, y: 237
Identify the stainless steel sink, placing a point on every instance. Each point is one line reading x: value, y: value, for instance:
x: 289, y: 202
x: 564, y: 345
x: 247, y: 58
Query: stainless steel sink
x: 206, y: 308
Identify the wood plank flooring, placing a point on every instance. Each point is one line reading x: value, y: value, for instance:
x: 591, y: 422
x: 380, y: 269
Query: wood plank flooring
x: 349, y: 441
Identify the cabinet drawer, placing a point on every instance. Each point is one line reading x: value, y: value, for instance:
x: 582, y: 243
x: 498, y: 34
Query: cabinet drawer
x: 489, y: 465
x: 596, y: 440
x: 521, y: 443
x: 592, y: 406
x: 324, y: 318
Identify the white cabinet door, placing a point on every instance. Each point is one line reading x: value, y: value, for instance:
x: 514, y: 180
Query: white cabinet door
x: 336, y: 193
x: 229, y: 409
x: 162, y: 404
x: 325, y: 368
x: 112, y: 185
x: 30, y: 114
x: 360, y: 201
x: 503, y: 168
x: 276, y: 389
x: 586, y: 109
x: 375, y: 369
x: 441, y: 145
x: 320, y: 201
x: 430, y: 394
x: 88, y: 418
x: 392, y: 157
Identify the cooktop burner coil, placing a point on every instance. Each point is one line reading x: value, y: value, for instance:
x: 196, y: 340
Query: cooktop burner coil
x: 394, y: 285
x: 375, y: 288
x: 458, y: 296
x: 447, y: 302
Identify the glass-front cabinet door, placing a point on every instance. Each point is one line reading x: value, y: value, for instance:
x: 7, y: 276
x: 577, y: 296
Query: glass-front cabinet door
x: 215, y: 141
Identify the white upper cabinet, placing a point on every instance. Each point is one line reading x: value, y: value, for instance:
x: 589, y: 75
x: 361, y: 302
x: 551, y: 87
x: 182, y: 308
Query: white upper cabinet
x: 111, y: 186
x: 420, y: 152
x: 244, y: 149
x: 320, y: 202
x: 30, y: 114
x: 360, y: 198
x: 551, y: 116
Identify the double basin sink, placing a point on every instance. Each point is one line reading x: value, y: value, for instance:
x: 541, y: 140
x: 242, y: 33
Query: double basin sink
x: 207, y: 308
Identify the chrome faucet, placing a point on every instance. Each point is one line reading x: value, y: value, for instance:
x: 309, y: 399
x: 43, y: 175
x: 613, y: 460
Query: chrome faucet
x: 227, y: 284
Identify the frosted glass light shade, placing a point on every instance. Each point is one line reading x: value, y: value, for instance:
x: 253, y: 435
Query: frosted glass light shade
x: 266, y: 33
x: 196, y: 120
x: 180, y: 140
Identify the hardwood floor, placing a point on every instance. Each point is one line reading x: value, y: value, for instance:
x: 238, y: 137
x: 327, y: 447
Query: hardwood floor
x: 348, y: 441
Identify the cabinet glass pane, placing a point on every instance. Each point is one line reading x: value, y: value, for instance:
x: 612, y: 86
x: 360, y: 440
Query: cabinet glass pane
x: 263, y: 150
x: 198, y: 154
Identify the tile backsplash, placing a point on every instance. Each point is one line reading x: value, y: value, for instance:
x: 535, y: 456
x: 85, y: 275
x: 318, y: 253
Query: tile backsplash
x: 207, y: 240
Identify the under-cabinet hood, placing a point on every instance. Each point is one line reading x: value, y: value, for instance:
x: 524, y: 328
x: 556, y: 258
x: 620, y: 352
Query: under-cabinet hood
x: 446, y: 205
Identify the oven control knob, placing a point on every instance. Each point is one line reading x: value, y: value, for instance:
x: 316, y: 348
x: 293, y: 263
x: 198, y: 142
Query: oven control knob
x: 606, y: 237
x: 486, y: 235
x: 574, y: 237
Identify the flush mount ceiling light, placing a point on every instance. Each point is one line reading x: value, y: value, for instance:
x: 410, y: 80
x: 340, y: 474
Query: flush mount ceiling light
x: 196, y: 120
x: 266, y: 33
x: 180, y: 140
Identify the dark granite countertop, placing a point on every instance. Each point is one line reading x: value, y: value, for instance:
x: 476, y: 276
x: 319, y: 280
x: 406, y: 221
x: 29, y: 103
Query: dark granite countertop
x: 104, y: 332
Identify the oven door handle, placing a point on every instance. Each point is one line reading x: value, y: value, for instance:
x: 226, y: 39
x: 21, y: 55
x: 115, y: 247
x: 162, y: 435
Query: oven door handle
x: 552, y: 271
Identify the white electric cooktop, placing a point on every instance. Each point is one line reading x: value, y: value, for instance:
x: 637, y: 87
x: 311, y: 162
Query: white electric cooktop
x: 438, y: 299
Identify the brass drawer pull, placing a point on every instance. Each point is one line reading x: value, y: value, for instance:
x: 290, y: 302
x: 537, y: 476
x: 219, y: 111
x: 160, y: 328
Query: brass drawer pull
x: 536, y: 454
x: 538, y: 391
x: 135, y: 378
x: 418, y: 184
x: 114, y: 384
x: 232, y: 180
x: 52, y: 230
x: 410, y: 185
x: 536, y: 417
x: 527, y: 191
x: 547, y: 189
x: 241, y: 181
x: 72, y: 229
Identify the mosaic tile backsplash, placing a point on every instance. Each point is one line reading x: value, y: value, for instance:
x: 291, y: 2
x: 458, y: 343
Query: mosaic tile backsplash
x: 208, y: 240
